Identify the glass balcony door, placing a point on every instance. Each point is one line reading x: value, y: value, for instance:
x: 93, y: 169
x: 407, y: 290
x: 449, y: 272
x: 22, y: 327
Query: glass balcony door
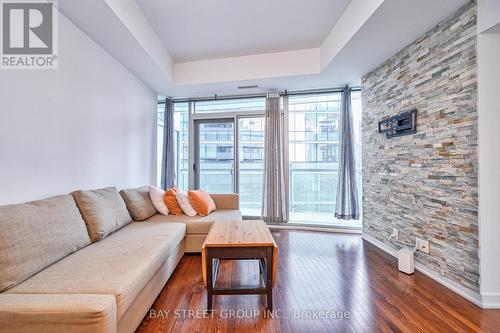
x: 214, y: 166
x: 229, y: 158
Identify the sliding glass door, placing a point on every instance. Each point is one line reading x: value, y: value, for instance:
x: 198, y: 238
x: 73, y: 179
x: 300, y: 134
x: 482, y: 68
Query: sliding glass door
x: 227, y: 151
x: 219, y: 143
x: 214, y: 155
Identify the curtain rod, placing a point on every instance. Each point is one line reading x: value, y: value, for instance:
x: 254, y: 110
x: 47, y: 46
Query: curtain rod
x: 282, y: 93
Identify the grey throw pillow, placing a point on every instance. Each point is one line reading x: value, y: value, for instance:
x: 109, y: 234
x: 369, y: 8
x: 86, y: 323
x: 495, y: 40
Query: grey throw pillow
x: 138, y: 203
x: 103, y: 210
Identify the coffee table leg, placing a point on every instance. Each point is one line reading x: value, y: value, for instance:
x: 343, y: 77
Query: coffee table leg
x: 209, y: 275
x: 269, y: 280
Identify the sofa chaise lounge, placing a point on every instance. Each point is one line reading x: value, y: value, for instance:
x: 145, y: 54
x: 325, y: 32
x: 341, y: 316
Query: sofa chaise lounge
x: 92, y: 261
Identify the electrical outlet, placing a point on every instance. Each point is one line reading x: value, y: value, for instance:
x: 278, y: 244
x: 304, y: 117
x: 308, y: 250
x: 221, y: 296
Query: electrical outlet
x: 423, y: 245
x: 395, y: 234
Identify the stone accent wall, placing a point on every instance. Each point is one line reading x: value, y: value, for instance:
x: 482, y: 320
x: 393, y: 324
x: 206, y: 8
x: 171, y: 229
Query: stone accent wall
x: 425, y: 184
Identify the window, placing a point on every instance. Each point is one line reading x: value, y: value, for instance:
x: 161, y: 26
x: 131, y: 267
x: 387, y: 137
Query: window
x: 231, y: 105
x: 313, y: 122
x: 159, y: 140
x: 251, y: 164
x: 230, y: 149
x: 181, y: 142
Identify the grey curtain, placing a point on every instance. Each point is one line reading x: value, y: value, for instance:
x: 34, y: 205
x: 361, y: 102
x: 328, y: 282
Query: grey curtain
x: 347, y: 205
x: 274, y: 200
x: 168, y: 160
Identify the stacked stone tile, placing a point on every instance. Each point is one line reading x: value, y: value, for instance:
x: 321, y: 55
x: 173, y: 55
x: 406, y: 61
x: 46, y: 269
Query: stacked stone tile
x: 425, y: 184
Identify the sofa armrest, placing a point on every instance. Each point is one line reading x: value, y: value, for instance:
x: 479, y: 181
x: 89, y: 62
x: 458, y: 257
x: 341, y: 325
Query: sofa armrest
x: 226, y: 201
x: 74, y: 313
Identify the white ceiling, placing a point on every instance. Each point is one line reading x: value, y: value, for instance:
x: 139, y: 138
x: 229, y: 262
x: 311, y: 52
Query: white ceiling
x: 295, y: 44
x: 207, y: 29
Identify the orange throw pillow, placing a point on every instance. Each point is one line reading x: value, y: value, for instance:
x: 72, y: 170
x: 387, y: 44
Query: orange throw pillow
x: 171, y: 202
x: 201, y: 202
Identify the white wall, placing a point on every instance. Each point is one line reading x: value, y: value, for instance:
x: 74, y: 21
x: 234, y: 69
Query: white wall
x: 251, y: 67
x: 89, y: 124
x: 489, y: 14
x: 489, y: 158
x: 489, y: 166
x: 355, y: 16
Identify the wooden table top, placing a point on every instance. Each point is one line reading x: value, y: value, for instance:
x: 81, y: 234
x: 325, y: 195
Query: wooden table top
x: 239, y: 234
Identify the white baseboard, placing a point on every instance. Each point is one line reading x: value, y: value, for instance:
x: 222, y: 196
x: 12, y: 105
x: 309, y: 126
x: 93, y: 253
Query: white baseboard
x: 467, y: 293
x: 491, y: 300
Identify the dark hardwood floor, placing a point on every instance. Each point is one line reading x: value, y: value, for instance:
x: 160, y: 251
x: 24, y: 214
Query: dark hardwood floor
x: 345, y: 283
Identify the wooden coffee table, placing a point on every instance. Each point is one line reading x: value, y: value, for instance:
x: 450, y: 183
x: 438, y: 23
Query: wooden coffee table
x: 239, y: 240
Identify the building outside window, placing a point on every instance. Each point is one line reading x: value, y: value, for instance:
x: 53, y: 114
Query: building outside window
x: 251, y: 164
x: 181, y: 138
x: 216, y: 157
x: 159, y: 140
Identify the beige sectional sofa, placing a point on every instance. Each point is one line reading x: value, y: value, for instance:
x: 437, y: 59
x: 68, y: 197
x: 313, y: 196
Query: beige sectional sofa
x: 197, y: 227
x: 82, y: 263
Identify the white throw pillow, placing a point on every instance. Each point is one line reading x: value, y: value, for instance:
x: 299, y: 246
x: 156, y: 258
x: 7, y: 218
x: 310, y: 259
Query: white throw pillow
x: 183, y: 200
x: 156, y: 195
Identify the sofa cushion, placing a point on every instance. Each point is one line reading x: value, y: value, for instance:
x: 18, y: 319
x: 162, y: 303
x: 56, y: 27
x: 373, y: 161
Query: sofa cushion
x: 196, y: 225
x: 171, y: 201
x: 183, y: 201
x: 156, y: 195
x: 229, y: 201
x: 120, y: 265
x: 138, y: 203
x: 202, y: 202
x: 57, y: 313
x: 103, y: 210
x: 36, y: 234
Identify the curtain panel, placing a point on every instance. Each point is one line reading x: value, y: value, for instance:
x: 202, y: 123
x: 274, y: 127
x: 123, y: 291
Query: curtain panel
x: 168, y: 160
x: 275, y: 198
x: 347, y: 205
